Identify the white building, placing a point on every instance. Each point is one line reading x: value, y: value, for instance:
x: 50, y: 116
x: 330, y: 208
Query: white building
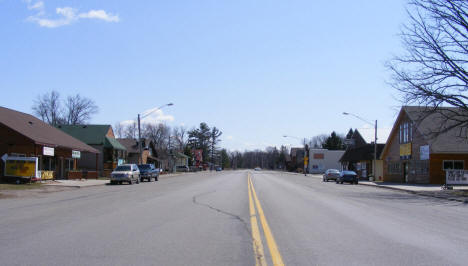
x: 322, y: 159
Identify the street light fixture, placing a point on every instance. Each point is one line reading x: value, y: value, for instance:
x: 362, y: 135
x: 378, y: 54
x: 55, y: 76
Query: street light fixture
x: 139, y: 130
x: 375, y: 140
x: 306, y: 152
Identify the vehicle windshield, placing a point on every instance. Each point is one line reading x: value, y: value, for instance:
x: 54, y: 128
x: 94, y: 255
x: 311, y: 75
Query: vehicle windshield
x: 122, y: 168
x: 348, y: 173
x: 144, y: 166
x: 334, y: 171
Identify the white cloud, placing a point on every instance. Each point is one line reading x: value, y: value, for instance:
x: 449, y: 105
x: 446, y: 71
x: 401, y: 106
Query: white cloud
x: 66, y: 15
x: 100, y: 14
x: 155, y: 117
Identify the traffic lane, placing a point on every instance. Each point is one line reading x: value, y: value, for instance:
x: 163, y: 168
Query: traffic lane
x: 197, y: 219
x: 318, y: 223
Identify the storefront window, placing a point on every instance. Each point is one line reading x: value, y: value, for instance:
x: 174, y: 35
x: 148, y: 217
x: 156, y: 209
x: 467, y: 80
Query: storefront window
x: 454, y: 165
x: 48, y: 163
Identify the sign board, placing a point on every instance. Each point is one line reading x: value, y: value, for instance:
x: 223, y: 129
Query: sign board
x: 349, y: 142
x: 456, y: 177
x: 405, y: 150
x: 424, y: 152
x: 48, y: 151
x: 306, y: 160
x: 319, y: 156
x: 76, y: 154
x: 21, y: 166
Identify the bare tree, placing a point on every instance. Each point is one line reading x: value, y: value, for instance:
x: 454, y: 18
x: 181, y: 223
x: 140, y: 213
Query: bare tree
x: 180, y: 135
x: 433, y: 70
x: 159, y: 134
x: 131, y: 130
x: 49, y: 108
x: 318, y: 141
x: 118, y: 130
x: 78, y: 110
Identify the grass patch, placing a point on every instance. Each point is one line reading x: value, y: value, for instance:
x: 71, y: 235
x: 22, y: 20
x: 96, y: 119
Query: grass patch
x: 4, y: 186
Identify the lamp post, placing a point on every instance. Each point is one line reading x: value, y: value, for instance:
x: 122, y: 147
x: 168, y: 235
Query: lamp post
x: 375, y: 140
x: 139, y: 130
x: 306, y: 152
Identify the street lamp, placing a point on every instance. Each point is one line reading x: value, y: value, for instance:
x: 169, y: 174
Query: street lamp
x: 306, y: 152
x: 139, y: 130
x: 375, y: 140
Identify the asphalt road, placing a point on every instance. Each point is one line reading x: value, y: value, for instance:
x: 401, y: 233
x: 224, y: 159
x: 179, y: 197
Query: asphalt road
x: 212, y: 219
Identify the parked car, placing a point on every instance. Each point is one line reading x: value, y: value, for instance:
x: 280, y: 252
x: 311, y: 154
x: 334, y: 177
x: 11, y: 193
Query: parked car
x: 219, y: 169
x: 347, y: 176
x: 331, y: 174
x: 125, y: 173
x: 148, y: 172
x: 182, y: 168
x: 258, y: 169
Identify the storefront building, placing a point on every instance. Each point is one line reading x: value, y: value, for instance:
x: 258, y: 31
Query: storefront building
x: 419, y: 148
x: 23, y: 135
x: 101, y: 138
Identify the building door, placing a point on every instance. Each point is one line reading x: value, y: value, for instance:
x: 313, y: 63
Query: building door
x: 405, y: 172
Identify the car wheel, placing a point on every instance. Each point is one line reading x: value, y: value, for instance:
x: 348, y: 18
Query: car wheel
x: 342, y: 182
x: 130, y: 182
x: 336, y: 181
x: 156, y: 179
x: 138, y: 181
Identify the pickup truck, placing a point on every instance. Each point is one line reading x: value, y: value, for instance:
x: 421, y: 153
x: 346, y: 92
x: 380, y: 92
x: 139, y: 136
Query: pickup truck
x: 148, y: 172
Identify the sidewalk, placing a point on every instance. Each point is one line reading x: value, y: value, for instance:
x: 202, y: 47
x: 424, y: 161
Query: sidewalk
x: 459, y: 193
x: 77, y: 183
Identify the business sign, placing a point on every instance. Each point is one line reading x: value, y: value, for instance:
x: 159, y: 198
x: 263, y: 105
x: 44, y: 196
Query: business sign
x: 319, y: 156
x: 48, y: 151
x: 76, y: 154
x: 405, y: 151
x: 21, y: 166
x: 424, y: 152
x: 456, y: 177
x: 306, y: 160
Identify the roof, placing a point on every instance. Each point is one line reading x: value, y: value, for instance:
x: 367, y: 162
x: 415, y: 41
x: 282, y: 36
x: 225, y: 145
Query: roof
x: 92, y: 135
x: 132, y: 144
x: 362, y: 153
x: 40, y: 132
x: 434, y: 128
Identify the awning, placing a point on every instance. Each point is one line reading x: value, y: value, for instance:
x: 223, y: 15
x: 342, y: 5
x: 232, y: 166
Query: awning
x: 113, y: 143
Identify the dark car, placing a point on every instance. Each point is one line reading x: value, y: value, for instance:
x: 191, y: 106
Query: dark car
x: 148, y: 172
x: 347, y: 176
x: 219, y: 169
x: 331, y: 174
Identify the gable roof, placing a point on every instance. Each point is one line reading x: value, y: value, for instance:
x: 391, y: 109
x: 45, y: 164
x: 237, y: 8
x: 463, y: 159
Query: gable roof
x: 92, y: 135
x: 362, y: 153
x: 132, y: 144
x: 433, y: 127
x: 40, y: 132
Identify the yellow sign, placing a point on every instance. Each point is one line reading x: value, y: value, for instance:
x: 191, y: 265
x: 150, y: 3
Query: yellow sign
x: 405, y: 149
x: 47, y: 175
x: 20, y: 168
x: 306, y: 160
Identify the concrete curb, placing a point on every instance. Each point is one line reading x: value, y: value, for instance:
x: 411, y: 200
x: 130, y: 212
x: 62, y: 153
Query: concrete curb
x: 420, y: 193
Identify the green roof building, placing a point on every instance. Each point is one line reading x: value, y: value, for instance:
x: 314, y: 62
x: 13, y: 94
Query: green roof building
x: 100, y: 137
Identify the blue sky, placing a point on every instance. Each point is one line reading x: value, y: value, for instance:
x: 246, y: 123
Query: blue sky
x: 255, y: 69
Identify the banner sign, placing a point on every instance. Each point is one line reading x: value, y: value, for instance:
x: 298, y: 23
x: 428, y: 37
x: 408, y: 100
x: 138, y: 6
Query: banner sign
x: 21, y: 167
x: 48, y: 151
x: 424, y: 153
x: 405, y: 151
x: 456, y: 177
x: 76, y: 154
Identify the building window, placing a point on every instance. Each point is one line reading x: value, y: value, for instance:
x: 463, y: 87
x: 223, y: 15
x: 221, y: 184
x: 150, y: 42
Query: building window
x: 394, y: 168
x: 406, y: 132
x: 453, y: 165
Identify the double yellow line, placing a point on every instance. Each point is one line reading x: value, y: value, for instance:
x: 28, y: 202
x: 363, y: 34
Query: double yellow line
x: 256, y: 238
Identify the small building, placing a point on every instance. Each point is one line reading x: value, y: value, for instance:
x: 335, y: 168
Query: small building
x: 181, y: 159
x: 148, y: 151
x: 59, y: 154
x: 100, y: 137
x: 422, y: 145
x: 322, y: 159
x: 359, y: 157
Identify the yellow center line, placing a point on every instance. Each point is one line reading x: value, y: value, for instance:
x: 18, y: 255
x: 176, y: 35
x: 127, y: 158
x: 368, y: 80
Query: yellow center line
x: 256, y: 239
x: 275, y: 255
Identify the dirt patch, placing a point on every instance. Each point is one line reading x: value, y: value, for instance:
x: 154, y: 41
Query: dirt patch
x: 37, y: 192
